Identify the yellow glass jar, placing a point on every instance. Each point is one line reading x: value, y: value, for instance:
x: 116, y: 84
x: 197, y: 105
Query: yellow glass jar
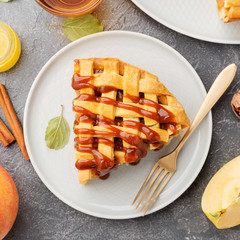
x: 10, y: 47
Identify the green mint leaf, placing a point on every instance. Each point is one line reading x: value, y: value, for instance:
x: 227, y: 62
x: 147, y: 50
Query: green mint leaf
x: 80, y: 27
x: 57, y: 132
x: 5, y: 1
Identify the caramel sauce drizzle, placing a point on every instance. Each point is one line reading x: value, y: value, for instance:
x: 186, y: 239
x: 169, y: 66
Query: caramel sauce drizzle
x: 102, y: 163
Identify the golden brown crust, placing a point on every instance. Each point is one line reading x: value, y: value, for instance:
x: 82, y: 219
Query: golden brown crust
x: 229, y: 10
x: 131, y: 80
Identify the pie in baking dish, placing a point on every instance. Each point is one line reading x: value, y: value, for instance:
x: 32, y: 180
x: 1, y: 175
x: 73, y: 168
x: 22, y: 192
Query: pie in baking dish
x: 229, y: 10
x: 121, y: 112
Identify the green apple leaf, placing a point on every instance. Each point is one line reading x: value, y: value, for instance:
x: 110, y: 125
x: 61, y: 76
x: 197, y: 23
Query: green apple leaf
x: 80, y: 27
x: 57, y: 132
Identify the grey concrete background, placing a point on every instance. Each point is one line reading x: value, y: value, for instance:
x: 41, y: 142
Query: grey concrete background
x: 43, y: 216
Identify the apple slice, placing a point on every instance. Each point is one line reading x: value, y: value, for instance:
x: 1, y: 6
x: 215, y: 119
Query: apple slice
x: 221, y: 198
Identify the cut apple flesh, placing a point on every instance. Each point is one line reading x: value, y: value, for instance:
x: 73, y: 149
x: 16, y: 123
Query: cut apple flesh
x: 221, y: 198
x: 230, y: 193
x: 227, y: 218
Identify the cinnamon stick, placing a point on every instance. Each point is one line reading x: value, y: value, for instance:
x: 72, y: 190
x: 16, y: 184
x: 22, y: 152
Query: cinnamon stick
x: 3, y: 140
x: 12, y: 119
x: 6, y: 136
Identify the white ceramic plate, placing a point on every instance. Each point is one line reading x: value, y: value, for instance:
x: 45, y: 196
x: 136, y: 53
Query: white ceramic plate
x: 195, y: 18
x: 112, y: 198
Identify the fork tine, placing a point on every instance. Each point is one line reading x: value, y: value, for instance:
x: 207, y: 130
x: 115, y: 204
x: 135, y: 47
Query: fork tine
x: 150, y: 185
x: 154, y: 189
x: 159, y: 191
x: 145, y: 183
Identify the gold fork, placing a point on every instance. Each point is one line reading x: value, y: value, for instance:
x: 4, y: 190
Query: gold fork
x: 164, y: 169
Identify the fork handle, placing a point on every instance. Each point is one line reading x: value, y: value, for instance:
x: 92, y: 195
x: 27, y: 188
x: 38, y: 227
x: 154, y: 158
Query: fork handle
x: 219, y: 86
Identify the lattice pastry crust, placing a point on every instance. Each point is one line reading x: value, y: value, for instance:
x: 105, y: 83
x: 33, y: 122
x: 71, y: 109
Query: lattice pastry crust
x: 229, y: 10
x: 121, y: 113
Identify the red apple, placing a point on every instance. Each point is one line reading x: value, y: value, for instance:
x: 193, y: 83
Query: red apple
x: 8, y: 202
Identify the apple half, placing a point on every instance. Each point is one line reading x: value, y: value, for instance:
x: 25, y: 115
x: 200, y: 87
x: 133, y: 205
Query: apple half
x: 221, y: 198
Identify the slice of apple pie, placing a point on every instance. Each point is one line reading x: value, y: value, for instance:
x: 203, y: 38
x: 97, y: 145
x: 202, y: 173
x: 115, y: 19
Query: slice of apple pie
x: 121, y: 112
x: 229, y: 10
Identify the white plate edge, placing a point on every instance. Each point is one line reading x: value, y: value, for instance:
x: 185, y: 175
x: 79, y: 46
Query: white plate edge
x: 106, y: 216
x: 179, y: 30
